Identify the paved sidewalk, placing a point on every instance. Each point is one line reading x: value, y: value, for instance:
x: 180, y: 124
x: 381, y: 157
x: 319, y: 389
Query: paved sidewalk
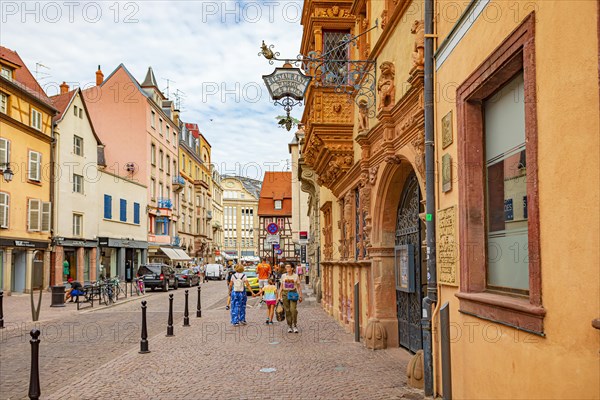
x: 214, y: 360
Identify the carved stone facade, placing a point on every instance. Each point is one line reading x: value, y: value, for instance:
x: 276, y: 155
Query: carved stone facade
x: 360, y: 161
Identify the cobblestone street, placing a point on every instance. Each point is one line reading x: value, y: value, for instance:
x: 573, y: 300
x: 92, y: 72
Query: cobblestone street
x: 94, y: 354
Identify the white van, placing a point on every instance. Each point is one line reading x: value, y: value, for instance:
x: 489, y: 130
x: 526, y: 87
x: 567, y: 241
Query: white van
x: 215, y: 271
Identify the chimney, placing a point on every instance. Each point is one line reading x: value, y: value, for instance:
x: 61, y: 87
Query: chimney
x: 64, y: 88
x: 99, y: 77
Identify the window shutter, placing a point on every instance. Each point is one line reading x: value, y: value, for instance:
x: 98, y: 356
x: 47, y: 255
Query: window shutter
x: 3, y: 210
x: 136, y: 213
x: 46, y: 214
x: 107, y: 206
x: 35, y: 160
x: 33, y: 221
x: 4, y: 151
x: 123, y: 210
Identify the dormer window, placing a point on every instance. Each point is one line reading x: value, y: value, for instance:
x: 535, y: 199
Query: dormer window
x: 278, y: 204
x: 6, y: 72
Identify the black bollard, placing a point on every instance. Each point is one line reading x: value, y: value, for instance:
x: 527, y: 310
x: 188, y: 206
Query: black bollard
x: 199, y: 306
x: 170, y: 321
x: 186, y: 313
x: 144, y: 341
x: 34, y: 377
x: 1, y: 310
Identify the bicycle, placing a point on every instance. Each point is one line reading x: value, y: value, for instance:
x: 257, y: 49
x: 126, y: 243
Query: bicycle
x: 118, y: 289
x: 106, y: 292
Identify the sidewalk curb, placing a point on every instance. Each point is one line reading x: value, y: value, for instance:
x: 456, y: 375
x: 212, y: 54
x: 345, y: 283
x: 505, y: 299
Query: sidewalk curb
x: 105, y: 307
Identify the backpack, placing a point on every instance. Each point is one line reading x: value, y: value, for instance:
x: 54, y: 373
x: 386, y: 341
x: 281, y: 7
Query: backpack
x: 238, y: 283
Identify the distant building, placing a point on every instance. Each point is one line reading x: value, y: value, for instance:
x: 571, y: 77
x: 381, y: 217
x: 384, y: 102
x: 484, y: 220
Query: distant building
x: 195, y: 232
x: 275, y: 207
x: 240, y: 217
x: 217, y: 217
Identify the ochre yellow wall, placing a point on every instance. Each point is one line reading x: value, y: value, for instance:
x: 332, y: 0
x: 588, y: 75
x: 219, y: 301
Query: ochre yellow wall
x: 22, y: 139
x: 491, y: 361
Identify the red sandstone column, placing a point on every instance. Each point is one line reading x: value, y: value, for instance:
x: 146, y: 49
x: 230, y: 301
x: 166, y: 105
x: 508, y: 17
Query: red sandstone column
x: 59, y: 257
x: 80, y: 263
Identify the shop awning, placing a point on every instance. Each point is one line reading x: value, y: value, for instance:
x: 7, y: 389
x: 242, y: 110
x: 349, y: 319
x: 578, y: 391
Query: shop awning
x: 182, y: 255
x: 175, y: 254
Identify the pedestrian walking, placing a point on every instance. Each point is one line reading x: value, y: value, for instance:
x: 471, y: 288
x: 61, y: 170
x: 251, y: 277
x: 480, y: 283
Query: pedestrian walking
x: 276, y: 274
x: 269, y: 296
x: 230, y: 273
x: 290, y: 292
x: 238, y: 284
x: 263, y: 270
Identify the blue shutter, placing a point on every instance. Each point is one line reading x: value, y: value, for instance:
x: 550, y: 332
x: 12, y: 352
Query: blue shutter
x: 123, y: 210
x: 107, y: 206
x: 136, y: 213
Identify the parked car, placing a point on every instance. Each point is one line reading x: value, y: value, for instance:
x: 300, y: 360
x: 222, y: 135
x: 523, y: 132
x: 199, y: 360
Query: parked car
x: 187, y: 277
x: 215, y: 271
x: 158, y: 276
x: 252, y: 280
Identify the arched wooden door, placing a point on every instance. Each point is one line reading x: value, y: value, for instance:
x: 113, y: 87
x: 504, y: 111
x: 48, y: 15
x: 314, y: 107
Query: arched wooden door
x: 407, y: 262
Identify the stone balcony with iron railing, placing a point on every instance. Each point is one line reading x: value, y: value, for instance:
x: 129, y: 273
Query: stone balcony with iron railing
x: 178, y: 182
x: 164, y: 203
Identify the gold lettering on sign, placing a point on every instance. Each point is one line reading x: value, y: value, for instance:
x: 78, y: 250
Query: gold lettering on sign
x: 447, y: 130
x: 447, y: 249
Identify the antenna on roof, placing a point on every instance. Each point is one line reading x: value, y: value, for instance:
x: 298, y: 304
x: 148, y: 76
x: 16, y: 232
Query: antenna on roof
x: 179, y: 95
x: 168, y: 82
x: 38, y: 72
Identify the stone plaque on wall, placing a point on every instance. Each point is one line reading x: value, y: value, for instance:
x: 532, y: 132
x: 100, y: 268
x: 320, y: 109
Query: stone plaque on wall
x: 446, y: 173
x: 447, y: 130
x: 447, y: 246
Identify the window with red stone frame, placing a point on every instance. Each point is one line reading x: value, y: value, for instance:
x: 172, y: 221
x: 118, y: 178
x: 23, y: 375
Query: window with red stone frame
x: 516, y: 55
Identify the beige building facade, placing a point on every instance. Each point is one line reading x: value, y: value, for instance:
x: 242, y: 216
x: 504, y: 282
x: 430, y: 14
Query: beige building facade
x: 240, y: 217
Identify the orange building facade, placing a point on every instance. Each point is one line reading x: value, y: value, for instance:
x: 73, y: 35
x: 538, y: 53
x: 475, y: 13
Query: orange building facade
x: 514, y: 267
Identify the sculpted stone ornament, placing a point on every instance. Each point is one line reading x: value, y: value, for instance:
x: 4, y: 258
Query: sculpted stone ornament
x: 373, y: 175
x: 418, y: 29
x: 363, y: 116
x: 385, y: 87
x: 419, y: 145
x: 393, y: 159
x: 375, y: 335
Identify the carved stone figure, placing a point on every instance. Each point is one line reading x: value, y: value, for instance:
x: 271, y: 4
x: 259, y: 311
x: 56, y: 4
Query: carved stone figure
x: 419, y: 145
x: 363, y: 116
x: 417, y: 29
x: 373, y: 175
x: 385, y: 87
x: 392, y: 159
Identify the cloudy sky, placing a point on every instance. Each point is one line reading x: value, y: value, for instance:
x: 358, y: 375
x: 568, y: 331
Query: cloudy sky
x: 207, y: 49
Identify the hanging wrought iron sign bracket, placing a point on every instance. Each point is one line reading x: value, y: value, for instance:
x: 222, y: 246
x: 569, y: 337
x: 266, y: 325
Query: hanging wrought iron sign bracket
x: 355, y: 78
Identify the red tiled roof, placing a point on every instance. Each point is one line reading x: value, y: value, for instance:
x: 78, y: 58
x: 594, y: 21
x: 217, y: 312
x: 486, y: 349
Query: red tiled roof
x: 193, y: 128
x: 23, y: 75
x: 276, y: 186
x: 61, y: 101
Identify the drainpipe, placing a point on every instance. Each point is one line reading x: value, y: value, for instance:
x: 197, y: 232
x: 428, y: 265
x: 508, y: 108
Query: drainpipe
x: 431, y: 298
x: 52, y: 203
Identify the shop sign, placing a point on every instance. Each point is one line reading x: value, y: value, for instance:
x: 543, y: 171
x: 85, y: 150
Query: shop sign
x: 23, y: 243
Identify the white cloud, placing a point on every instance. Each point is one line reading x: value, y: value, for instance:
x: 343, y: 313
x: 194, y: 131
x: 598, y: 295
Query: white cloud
x: 201, y: 46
